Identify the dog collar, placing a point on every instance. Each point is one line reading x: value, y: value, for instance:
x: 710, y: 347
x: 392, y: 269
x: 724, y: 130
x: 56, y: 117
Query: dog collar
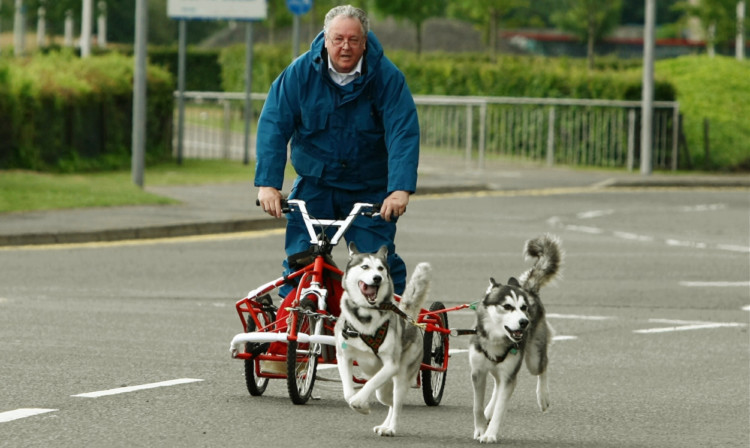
x: 497, y: 360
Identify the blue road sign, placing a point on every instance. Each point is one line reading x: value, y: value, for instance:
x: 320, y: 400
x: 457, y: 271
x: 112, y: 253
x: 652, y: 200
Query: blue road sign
x: 299, y: 7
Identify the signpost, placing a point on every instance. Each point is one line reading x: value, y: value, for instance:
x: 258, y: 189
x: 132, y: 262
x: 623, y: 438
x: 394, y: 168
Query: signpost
x: 297, y: 7
x: 241, y: 10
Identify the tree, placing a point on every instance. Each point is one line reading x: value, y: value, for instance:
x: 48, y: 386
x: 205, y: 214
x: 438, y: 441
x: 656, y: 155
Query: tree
x: 487, y: 14
x: 717, y: 19
x: 416, y: 12
x: 590, y: 20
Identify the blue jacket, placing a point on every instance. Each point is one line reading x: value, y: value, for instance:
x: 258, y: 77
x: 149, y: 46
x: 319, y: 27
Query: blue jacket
x: 362, y: 136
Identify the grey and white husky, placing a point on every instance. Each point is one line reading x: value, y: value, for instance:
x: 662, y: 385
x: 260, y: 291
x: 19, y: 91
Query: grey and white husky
x: 511, y: 326
x: 377, y: 333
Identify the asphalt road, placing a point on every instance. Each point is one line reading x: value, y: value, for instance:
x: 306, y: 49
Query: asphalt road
x: 651, y: 317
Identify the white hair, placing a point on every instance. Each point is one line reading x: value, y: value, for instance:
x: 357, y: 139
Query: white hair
x: 347, y: 11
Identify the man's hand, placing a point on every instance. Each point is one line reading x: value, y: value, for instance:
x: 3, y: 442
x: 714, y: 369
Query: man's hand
x: 394, y: 205
x: 270, y: 200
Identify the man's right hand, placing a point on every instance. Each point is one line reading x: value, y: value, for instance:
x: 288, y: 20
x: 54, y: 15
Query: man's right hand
x: 270, y: 199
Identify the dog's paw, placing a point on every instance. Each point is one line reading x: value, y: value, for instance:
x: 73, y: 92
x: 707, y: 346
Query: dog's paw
x: 384, y: 431
x: 542, y: 397
x: 487, y: 438
x: 361, y: 406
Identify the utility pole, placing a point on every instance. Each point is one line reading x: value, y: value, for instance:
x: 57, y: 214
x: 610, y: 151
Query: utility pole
x: 739, y: 44
x: 647, y: 100
x: 19, y: 29
x: 86, y: 16
x: 101, y: 25
x: 139, y: 93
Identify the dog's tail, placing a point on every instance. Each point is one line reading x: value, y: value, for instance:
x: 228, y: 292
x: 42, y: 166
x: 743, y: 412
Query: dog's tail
x: 546, y: 249
x: 416, y: 291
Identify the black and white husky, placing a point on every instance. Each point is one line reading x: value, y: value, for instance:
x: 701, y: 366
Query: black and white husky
x: 511, y: 326
x: 377, y: 333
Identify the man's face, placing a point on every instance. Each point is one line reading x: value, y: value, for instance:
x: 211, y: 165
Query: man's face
x: 345, y: 43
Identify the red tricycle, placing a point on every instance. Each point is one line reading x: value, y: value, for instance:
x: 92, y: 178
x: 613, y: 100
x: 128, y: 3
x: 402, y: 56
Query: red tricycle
x: 290, y: 341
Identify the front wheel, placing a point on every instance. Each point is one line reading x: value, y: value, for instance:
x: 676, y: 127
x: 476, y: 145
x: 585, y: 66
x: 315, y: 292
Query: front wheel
x: 301, y: 361
x: 435, y: 356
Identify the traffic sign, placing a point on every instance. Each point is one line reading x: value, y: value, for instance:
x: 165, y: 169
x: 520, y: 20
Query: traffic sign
x: 299, y: 7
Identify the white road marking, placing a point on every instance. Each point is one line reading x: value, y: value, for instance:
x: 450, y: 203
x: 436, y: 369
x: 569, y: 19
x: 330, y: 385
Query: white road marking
x: 578, y: 316
x: 122, y: 390
x: 556, y: 222
x: 685, y: 325
x: 714, y: 284
x: 746, y: 308
x: 564, y: 338
x: 22, y: 413
x: 680, y: 243
x: 594, y: 214
x: 703, y: 207
x: 733, y: 248
x: 632, y: 236
x: 585, y: 229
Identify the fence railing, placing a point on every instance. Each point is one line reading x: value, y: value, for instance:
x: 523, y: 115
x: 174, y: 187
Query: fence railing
x: 554, y: 131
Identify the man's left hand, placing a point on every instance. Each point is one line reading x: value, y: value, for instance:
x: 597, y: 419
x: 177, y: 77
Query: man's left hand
x: 394, y: 205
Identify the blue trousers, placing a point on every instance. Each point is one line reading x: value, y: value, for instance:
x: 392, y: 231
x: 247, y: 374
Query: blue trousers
x: 368, y: 234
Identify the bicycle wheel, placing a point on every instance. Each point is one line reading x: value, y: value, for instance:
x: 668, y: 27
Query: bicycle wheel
x: 301, y: 362
x: 435, y: 354
x: 256, y: 385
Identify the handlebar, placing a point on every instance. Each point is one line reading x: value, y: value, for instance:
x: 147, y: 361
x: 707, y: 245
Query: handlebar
x: 299, y: 206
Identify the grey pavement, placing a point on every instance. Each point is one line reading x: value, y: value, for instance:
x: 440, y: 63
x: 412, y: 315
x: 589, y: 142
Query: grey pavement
x: 209, y: 209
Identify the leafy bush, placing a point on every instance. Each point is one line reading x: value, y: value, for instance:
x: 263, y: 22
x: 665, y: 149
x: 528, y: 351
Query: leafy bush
x: 718, y: 90
x: 65, y: 113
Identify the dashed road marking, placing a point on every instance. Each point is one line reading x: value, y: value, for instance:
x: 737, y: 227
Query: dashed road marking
x: 579, y: 317
x: 685, y: 325
x: 122, y: 390
x: 715, y: 284
x: 9, y: 416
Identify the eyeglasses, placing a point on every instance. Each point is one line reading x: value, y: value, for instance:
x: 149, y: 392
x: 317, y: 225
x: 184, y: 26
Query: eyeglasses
x: 339, y: 41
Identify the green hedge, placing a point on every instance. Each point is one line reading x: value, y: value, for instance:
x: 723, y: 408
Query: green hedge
x: 467, y: 74
x: 60, y: 112
x: 718, y: 90
x: 202, y: 67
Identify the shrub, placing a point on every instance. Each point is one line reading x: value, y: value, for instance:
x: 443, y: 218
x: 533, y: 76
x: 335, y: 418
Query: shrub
x: 718, y: 90
x: 67, y: 114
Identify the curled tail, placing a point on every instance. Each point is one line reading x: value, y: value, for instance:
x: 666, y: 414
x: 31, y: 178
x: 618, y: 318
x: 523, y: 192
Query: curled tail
x: 546, y: 249
x: 416, y: 291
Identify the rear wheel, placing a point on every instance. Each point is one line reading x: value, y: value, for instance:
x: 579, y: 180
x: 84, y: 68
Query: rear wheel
x: 435, y: 355
x: 256, y: 385
x: 301, y: 362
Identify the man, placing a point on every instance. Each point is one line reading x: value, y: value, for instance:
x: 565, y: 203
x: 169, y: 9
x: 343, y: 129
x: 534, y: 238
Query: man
x: 354, y: 137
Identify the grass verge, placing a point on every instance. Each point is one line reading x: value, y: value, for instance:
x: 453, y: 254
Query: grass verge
x: 27, y: 190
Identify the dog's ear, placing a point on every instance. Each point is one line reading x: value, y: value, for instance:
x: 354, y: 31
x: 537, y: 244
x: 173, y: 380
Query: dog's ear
x: 353, y: 249
x: 513, y: 282
x: 493, y: 284
x: 383, y: 252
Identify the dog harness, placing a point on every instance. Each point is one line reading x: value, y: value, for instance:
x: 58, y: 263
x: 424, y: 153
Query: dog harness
x: 376, y: 340
x: 373, y: 341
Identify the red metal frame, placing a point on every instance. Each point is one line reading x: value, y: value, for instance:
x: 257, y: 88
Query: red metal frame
x: 315, y: 273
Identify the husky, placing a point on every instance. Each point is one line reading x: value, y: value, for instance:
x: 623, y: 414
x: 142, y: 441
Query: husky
x: 511, y: 326
x: 379, y: 334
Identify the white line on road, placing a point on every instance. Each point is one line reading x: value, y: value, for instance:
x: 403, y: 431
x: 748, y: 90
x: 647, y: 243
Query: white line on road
x: 594, y: 214
x: 578, y: 317
x: 22, y: 413
x: 122, y: 390
x: 714, y: 284
x: 684, y: 325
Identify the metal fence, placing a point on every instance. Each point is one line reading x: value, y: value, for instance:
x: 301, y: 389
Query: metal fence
x: 555, y: 131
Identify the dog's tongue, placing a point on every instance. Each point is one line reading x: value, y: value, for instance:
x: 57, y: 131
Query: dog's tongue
x: 368, y: 290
